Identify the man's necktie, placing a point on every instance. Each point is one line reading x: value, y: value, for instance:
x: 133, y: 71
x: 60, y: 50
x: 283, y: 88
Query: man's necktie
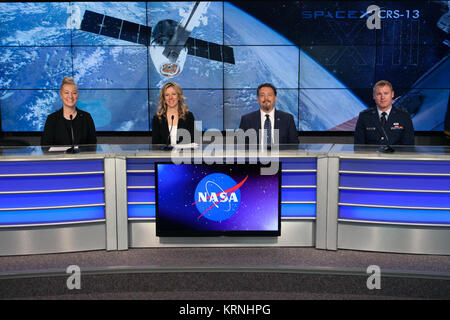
x: 383, y: 119
x: 268, y: 130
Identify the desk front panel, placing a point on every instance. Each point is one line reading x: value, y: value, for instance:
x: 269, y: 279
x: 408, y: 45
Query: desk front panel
x: 51, y: 206
x: 394, y: 205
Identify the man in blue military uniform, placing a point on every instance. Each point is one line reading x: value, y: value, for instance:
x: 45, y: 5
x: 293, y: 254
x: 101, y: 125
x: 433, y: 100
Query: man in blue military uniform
x: 397, y: 124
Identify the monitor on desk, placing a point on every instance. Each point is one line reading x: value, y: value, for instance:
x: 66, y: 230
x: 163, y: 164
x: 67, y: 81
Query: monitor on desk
x: 217, y: 200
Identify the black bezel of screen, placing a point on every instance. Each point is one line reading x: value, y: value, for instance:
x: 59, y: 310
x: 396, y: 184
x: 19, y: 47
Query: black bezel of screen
x: 203, y: 233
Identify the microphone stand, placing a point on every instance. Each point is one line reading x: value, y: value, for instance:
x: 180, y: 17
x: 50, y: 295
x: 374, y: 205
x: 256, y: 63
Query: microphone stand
x: 168, y: 147
x: 72, y: 149
x: 387, y: 148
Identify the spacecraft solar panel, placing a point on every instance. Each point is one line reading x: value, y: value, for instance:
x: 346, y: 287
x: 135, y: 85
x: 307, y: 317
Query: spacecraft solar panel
x: 210, y: 50
x: 144, y: 35
x: 125, y: 30
x: 115, y: 28
x: 129, y: 31
x: 92, y: 22
x: 215, y: 52
x: 228, y: 54
x: 201, y: 49
x: 190, y: 43
x: 111, y: 27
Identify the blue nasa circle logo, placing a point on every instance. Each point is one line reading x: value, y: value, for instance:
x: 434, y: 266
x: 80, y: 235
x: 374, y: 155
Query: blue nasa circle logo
x: 217, y: 197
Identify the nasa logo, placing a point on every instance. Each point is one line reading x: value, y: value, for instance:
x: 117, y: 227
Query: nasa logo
x: 217, y: 197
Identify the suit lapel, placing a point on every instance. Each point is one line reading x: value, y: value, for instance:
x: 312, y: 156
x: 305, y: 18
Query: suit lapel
x: 181, y: 123
x: 276, y: 120
x: 164, y: 126
x: 392, y: 118
x: 377, y: 122
x: 257, y: 120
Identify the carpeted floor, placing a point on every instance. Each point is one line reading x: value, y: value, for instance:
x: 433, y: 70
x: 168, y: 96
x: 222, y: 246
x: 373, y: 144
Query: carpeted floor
x: 225, y: 273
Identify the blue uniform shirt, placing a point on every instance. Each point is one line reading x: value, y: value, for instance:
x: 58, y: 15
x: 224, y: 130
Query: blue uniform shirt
x: 399, y: 128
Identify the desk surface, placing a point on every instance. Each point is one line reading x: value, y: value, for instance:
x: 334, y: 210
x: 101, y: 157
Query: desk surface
x: 407, y: 152
x: 149, y: 150
x: 302, y: 150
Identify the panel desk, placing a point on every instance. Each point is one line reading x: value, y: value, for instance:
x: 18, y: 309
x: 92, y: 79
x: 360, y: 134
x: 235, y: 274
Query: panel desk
x: 303, y: 194
x: 397, y: 202
x: 333, y: 197
x: 104, y: 197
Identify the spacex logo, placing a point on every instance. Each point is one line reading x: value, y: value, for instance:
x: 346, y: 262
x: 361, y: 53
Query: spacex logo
x: 217, y: 197
x: 373, y: 13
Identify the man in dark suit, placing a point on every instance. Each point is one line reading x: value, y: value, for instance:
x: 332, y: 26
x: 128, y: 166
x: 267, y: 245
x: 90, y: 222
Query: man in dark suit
x: 397, y: 124
x: 269, y: 119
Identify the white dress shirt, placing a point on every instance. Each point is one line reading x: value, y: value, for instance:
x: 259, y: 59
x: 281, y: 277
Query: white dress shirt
x: 387, y: 113
x: 173, y: 135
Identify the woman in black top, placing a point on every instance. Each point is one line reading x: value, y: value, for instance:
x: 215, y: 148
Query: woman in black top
x: 171, y: 116
x: 57, y: 130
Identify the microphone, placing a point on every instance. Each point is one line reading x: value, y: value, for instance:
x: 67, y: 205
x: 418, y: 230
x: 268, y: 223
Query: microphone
x: 168, y: 146
x: 387, y: 148
x: 72, y: 149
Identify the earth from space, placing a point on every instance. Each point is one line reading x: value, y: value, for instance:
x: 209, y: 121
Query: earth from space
x: 118, y: 81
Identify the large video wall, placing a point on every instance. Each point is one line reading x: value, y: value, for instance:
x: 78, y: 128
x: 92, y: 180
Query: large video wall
x: 323, y: 56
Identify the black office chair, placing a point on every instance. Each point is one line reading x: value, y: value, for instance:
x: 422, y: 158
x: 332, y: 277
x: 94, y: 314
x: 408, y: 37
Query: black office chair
x: 7, y: 142
x: 13, y: 143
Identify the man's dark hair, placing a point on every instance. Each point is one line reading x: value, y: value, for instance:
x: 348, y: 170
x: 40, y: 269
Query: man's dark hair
x: 268, y: 85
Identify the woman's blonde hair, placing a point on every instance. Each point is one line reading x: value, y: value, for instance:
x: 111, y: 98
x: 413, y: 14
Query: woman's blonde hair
x: 162, y: 107
x: 66, y: 80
